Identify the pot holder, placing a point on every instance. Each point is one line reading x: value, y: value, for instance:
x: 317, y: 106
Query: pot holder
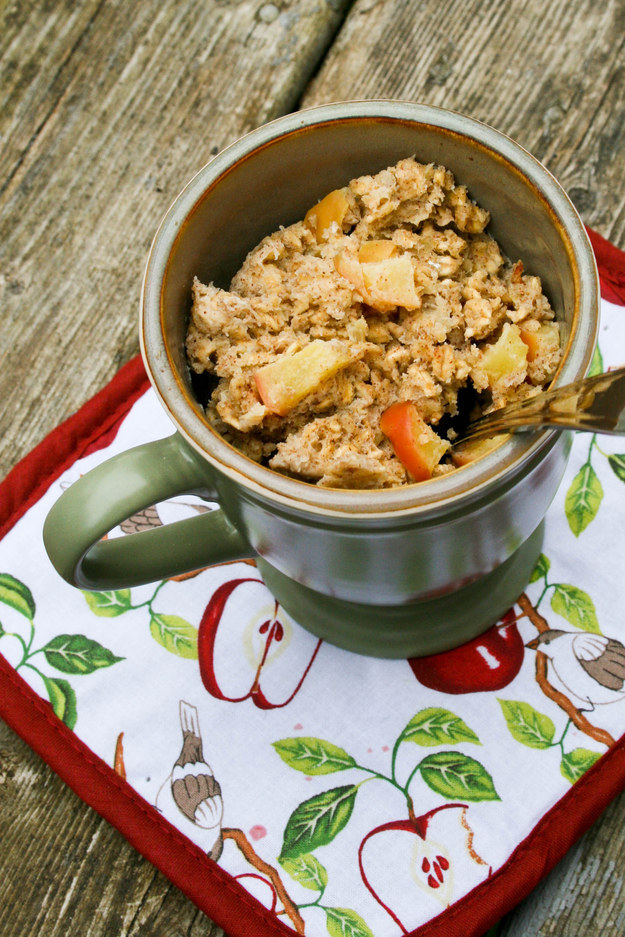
x: 287, y: 785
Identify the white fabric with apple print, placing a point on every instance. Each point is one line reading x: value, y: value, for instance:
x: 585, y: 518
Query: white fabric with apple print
x: 378, y: 792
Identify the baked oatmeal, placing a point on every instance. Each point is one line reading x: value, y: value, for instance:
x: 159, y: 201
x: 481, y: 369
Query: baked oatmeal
x: 350, y: 342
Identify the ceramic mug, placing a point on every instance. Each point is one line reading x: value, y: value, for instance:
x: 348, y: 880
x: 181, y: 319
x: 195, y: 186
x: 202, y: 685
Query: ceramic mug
x: 396, y: 572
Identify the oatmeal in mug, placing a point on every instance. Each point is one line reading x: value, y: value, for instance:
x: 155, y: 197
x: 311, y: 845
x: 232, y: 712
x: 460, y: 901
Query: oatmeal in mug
x: 352, y: 344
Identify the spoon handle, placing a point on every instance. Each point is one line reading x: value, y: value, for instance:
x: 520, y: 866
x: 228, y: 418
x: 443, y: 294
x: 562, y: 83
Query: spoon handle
x: 594, y: 404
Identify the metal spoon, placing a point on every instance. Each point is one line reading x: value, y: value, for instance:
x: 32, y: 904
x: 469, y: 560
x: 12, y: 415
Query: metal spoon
x: 594, y: 404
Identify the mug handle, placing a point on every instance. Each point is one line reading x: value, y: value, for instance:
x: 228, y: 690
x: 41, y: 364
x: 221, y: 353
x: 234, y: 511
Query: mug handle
x: 117, y: 489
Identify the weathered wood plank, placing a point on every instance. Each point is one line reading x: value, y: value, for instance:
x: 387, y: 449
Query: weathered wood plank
x: 141, y: 99
x: 65, y: 870
x: 36, y: 43
x: 584, y: 894
x: 549, y: 74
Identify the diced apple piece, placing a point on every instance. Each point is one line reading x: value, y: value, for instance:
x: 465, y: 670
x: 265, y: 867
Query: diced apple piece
x: 383, y: 284
x: 390, y: 283
x: 507, y: 357
x: 415, y: 444
x: 330, y: 210
x: 542, y: 342
x: 286, y: 381
x: 372, y: 251
x: 351, y: 269
x: 474, y: 449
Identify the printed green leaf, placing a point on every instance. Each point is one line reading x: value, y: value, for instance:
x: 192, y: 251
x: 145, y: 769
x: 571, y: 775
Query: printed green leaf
x: 543, y: 565
x: 583, y: 499
x: 313, y: 756
x: 436, y: 726
x: 63, y: 700
x: 576, y: 606
x: 17, y: 595
x: 108, y: 604
x: 307, y: 870
x: 457, y: 777
x: 596, y: 365
x: 617, y: 464
x: 527, y: 725
x: 75, y: 653
x: 175, y: 634
x: 343, y: 922
x: 575, y: 763
x: 318, y: 820
x: 2, y: 629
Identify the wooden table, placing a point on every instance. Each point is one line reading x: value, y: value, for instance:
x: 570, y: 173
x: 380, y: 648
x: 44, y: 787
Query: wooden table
x: 107, y: 108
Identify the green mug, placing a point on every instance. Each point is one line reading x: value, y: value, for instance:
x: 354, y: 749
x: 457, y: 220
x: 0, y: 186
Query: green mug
x: 396, y: 572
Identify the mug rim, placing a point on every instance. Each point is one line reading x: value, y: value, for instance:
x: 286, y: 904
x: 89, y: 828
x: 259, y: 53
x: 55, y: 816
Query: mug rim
x: 502, y: 465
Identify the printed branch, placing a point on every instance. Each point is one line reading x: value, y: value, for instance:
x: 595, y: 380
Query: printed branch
x: 241, y: 840
x: 577, y: 718
x: 118, y: 763
x: 540, y: 623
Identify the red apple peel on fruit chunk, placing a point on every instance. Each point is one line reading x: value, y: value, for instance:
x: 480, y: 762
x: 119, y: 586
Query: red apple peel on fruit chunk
x: 283, y: 383
x: 415, y: 444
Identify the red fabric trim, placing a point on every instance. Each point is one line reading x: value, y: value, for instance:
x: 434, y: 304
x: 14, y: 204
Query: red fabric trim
x: 539, y: 852
x: 92, y: 427
x: 222, y: 898
x: 611, y: 263
x: 201, y: 879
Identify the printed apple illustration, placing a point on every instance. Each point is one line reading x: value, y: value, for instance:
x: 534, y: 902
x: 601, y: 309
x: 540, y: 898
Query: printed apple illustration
x: 429, y: 853
x: 489, y: 662
x: 239, y: 646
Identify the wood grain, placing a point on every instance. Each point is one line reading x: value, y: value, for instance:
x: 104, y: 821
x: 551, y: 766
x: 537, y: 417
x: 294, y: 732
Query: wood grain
x: 66, y: 871
x: 106, y: 109
x: 108, y: 116
x: 584, y: 893
x: 549, y: 74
